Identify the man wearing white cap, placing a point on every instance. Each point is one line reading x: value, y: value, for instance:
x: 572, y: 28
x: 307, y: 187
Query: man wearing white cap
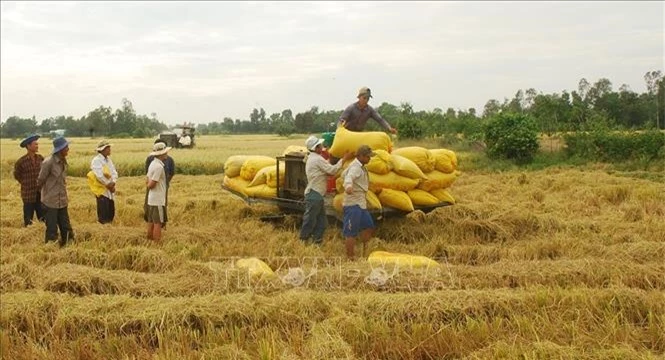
x: 156, y: 184
x: 317, y: 170
x: 104, y: 169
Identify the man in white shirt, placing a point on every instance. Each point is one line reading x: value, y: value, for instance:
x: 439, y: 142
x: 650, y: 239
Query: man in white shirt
x: 317, y: 169
x: 185, y: 140
x: 104, y: 169
x: 357, y: 220
x: 156, y: 184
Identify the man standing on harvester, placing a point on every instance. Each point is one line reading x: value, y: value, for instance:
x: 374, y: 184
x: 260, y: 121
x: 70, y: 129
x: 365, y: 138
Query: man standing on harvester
x: 355, y: 116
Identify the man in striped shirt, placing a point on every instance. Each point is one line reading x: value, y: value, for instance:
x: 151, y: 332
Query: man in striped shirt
x: 317, y: 170
x: 26, y: 171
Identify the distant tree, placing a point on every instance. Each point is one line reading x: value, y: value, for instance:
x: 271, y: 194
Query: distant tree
x: 15, y: 127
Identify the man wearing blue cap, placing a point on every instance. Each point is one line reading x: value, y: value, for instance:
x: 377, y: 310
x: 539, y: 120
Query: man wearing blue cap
x: 26, y: 171
x: 52, y: 182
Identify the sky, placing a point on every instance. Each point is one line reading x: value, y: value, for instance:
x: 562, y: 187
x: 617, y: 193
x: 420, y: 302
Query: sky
x: 202, y: 61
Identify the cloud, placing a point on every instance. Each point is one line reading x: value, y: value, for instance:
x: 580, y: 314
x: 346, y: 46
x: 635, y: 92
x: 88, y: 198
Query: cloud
x: 216, y: 59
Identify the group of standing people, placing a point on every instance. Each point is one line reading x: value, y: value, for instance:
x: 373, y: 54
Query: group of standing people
x: 44, y: 188
x: 43, y: 184
x: 357, y: 221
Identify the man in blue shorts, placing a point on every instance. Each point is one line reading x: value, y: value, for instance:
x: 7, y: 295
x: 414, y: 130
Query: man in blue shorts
x: 357, y: 220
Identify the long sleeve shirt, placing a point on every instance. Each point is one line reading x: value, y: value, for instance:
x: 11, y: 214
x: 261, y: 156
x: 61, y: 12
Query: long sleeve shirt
x: 97, y: 167
x: 317, y: 169
x: 52, y: 180
x: 355, y: 118
x: 356, y: 175
x: 26, y: 171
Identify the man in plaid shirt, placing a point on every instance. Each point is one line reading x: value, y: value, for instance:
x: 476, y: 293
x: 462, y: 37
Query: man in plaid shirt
x: 26, y: 171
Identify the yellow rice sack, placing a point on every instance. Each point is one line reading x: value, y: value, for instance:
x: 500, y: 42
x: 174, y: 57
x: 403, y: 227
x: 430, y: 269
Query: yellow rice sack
x: 253, y: 164
x: 268, y: 175
x: 97, y: 187
x: 381, y: 163
x: 406, y: 167
x: 419, y: 155
x: 261, y: 191
x: 445, y: 160
x: 373, y: 202
x: 438, y: 180
x: 339, y: 184
x: 391, y: 180
x: 382, y: 258
x: 233, y: 164
x: 237, y: 183
x: 271, y: 176
x: 422, y: 198
x: 337, y: 203
x: 260, y: 178
x: 346, y: 140
x: 443, y: 195
x: 295, y: 149
x: 254, y: 267
x: 396, y: 199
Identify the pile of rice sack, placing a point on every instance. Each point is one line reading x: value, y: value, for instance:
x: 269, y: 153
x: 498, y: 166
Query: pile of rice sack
x: 402, y: 178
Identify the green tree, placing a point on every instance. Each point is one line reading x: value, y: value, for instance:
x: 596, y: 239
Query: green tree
x: 512, y: 136
x: 15, y: 127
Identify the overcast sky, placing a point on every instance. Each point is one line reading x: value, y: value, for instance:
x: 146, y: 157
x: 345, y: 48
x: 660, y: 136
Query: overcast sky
x: 200, y: 62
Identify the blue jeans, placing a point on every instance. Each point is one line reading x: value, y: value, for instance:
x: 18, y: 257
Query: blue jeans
x: 314, y: 221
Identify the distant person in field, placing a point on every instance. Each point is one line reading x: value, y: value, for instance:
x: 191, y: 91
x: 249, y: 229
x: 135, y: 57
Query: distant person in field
x: 156, y: 184
x: 355, y: 116
x: 185, y: 140
x: 169, y: 168
x: 357, y: 219
x: 52, y: 181
x: 104, y: 169
x: 26, y: 171
x: 317, y: 170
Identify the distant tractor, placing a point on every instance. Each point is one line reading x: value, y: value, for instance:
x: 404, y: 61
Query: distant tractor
x: 181, y: 137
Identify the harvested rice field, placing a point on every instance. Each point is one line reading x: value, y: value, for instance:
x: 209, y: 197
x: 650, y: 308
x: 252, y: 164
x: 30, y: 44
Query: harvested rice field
x: 565, y: 263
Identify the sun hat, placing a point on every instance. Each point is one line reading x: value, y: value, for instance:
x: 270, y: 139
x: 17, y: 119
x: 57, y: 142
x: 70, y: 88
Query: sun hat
x: 28, y: 140
x: 159, y: 149
x: 312, y: 142
x: 59, y: 144
x: 365, y: 91
x: 103, y: 145
x: 365, y: 150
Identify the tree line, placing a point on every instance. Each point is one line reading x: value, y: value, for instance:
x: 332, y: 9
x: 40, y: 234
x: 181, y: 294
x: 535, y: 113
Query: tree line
x: 581, y: 109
